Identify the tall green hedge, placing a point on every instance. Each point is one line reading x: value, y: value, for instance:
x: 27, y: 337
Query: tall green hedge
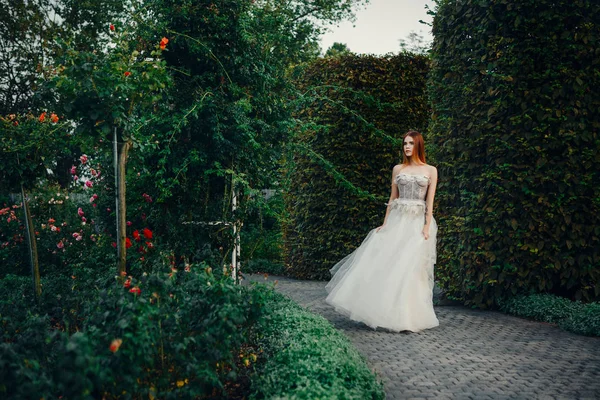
x: 514, y: 91
x: 356, y: 110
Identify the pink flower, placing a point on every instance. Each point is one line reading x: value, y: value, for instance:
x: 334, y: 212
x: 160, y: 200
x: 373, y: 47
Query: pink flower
x: 53, y: 228
x: 93, y: 172
x: 89, y: 184
x: 108, y: 210
x: 80, y: 212
x: 147, y: 198
x: 114, y: 244
x: 129, y: 223
x: 75, y: 178
x: 83, y: 219
x: 73, y: 170
x: 78, y: 238
x: 92, y: 199
x: 60, y: 245
x: 83, y: 159
x: 94, y: 205
x: 75, y: 234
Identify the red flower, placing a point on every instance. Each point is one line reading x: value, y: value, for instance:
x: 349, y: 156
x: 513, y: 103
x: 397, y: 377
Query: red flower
x: 112, y: 27
x: 114, y: 346
x: 135, y: 290
x: 114, y: 244
x: 127, y: 283
x: 16, y: 123
x: 163, y: 43
x: 43, y: 116
x: 136, y: 235
x: 51, y: 221
x: 54, y: 118
x: 128, y: 243
x: 147, y: 233
x: 150, y: 245
x: 127, y: 73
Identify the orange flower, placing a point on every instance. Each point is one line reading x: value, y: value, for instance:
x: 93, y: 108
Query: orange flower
x: 135, y: 290
x: 114, y: 346
x: 54, y: 118
x: 163, y: 43
x: 43, y: 116
x: 127, y: 73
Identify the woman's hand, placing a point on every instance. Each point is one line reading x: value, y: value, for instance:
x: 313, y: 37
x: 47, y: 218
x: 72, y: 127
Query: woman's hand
x: 379, y: 228
x: 425, y: 232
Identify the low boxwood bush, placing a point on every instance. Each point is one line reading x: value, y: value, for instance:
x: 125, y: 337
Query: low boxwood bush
x: 305, y: 357
x: 573, y: 316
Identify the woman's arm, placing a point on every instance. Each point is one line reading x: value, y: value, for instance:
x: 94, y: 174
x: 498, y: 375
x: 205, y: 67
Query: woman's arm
x: 393, y: 194
x: 429, y: 201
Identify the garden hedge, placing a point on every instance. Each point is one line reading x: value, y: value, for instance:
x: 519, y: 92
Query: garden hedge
x: 514, y: 91
x: 307, y: 358
x: 355, y: 111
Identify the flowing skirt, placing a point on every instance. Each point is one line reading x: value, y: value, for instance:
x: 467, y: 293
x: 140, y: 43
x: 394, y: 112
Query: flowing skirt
x: 388, y: 281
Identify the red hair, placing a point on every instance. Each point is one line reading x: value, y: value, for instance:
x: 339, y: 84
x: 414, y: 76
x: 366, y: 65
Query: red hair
x: 419, y: 149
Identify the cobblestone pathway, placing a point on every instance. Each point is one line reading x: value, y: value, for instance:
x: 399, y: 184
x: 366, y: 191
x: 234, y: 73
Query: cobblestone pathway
x: 472, y: 354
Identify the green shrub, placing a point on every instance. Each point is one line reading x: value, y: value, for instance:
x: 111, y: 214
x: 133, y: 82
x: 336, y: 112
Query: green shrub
x: 584, y: 322
x: 541, y: 307
x: 515, y: 128
x: 355, y: 112
x: 573, y: 316
x: 307, y: 358
x: 179, y: 337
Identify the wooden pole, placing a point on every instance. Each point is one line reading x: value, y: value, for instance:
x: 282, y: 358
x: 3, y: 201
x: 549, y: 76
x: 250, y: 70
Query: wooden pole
x: 32, y: 244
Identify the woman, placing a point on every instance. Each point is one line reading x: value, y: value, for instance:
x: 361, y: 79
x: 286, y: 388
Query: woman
x: 388, y: 281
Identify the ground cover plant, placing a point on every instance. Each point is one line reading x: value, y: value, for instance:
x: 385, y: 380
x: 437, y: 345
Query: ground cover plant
x: 573, y: 316
x: 305, y: 357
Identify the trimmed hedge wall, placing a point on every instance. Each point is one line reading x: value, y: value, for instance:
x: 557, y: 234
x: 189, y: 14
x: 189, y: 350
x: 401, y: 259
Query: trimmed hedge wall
x: 514, y: 90
x: 356, y: 110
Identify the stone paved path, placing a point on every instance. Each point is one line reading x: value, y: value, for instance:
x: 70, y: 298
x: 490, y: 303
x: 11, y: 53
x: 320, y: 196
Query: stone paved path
x: 472, y: 354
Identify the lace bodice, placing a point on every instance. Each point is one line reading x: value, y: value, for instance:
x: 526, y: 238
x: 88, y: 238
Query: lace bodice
x: 412, y: 187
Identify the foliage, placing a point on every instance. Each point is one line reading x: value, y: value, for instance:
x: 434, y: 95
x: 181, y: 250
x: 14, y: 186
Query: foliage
x: 337, y: 49
x: 307, y: 358
x: 353, y: 111
x: 28, y: 145
x: 572, y: 316
x: 161, y: 336
x: 515, y: 127
x: 30, y: 29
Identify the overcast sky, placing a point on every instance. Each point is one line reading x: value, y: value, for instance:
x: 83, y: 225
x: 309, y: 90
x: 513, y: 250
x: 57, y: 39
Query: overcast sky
x: 380, y: 26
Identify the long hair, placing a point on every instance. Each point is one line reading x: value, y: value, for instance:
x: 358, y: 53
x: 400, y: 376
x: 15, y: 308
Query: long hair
x: 419, y: 149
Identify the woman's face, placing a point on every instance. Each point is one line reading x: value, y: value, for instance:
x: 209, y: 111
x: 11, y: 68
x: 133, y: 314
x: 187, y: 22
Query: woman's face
x: 409, y: 146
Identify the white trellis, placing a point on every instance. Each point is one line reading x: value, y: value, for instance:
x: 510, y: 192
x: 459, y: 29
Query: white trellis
x: 235, y: 254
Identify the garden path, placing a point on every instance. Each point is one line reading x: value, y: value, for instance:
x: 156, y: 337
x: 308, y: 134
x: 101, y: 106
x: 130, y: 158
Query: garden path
x: 473, y: 354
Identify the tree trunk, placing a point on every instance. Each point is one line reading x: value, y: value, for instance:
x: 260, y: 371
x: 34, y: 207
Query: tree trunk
x: 122, y: 207
x: 32, y: 242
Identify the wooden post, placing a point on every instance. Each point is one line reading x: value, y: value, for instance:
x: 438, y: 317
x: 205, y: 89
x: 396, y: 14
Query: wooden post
x: 235, y: 254
x: 32, y: 242
x: 122, y: 213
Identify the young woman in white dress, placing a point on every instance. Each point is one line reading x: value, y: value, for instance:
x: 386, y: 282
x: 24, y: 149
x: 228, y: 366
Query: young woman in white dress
x: 387, y: 282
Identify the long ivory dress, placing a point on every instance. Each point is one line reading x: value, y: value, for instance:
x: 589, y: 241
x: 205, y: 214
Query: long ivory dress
x: 388, y: 281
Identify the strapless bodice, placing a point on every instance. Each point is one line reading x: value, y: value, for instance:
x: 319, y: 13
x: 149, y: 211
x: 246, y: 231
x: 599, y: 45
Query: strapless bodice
x: 412, y: 187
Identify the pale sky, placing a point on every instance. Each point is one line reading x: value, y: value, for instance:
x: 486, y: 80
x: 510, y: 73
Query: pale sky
x: 380, y: 25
